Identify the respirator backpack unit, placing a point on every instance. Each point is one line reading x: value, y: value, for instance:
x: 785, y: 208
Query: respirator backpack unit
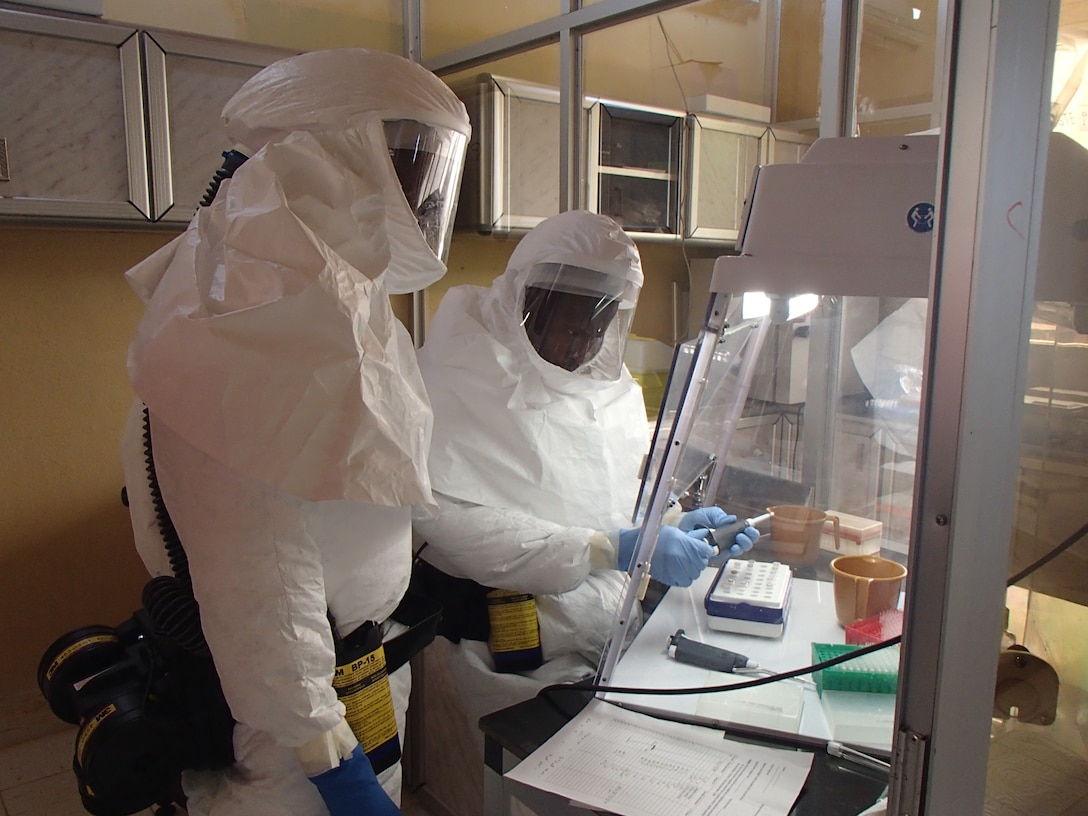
x: 145, y: 694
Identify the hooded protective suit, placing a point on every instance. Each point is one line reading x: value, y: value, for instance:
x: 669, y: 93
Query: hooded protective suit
x: 289, y: 419
x: 530, y: 462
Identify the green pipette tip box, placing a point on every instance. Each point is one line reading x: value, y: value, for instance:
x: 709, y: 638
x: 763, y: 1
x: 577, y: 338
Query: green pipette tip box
x: 877, y: 672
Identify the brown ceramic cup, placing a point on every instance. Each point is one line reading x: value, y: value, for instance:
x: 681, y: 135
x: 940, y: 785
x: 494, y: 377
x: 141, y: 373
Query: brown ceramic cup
x: 796, y: 531
x: 865, y: 585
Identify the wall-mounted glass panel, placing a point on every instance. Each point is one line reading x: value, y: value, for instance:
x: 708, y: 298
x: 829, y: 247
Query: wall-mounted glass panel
x: 448, y: 26
x: 540, y: 66
x: 679, y: 57
x: 895, y: 66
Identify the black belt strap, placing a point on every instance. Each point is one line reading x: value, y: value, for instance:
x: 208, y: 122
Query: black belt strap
x: 421, y: 615
x: 462, y: 603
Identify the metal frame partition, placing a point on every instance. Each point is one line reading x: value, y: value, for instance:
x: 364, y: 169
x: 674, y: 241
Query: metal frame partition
x: 989, y: 209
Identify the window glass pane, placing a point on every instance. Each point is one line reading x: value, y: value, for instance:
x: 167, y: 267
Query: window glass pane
x: 541, y: 65
x: 448, y: 26
x: 797, y: 96
x: 716, y: 47
x: 895, y: 66
x: 305, y: 25
x: 1040, y: 726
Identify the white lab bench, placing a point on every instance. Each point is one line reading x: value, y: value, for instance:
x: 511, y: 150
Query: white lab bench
x: 811, y: 619
x: 834, y: 786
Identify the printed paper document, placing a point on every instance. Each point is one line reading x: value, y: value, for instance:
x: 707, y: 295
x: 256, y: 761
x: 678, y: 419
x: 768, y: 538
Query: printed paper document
x: 632, y: 764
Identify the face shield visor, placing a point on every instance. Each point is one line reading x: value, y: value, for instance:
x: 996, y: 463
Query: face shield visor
x: 428, y: 161
x: 578, y: 319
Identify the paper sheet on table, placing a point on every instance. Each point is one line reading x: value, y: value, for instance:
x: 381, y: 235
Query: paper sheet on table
x: 635, y: 765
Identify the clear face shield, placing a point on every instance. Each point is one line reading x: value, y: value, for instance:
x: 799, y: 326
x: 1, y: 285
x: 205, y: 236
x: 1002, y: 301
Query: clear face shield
x: 428, y: 161
x: 578, y: 319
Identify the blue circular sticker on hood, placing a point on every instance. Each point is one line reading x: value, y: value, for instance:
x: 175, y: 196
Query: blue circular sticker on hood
x: 920, y: 217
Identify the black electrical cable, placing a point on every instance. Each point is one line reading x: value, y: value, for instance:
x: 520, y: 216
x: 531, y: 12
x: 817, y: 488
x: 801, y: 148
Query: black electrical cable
x: 169, y: 600
x: 1048, y: 557
x: 760, y: 681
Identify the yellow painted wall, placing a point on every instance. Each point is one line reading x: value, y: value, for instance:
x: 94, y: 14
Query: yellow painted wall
x: 66, y: 552
x: 304, y: 25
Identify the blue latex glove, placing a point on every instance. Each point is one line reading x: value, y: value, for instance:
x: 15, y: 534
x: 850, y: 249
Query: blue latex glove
x: 626, y: 553
x: 743, y: 541
x: 353, y: 789
x: 705, y: 518
x: 679, y: 557
x: 714, y: 517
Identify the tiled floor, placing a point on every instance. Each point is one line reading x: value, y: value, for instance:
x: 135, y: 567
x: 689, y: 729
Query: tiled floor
x: 36, y: 779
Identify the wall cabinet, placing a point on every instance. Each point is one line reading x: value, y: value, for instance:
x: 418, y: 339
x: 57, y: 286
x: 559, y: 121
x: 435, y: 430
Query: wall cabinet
x: 189, y: 80
x: 724, y: 156
x: 72, y: 138
x: 662, y: 174
x: 103, y: 124
x: 511, y: 176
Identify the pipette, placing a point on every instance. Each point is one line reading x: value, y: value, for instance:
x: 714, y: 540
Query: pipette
x: 706, y: 656
x: 724, y: 535
x: 694, y: 653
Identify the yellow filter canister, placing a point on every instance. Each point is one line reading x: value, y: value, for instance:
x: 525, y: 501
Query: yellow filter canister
x: 515, y: 631
x: 362, y: 685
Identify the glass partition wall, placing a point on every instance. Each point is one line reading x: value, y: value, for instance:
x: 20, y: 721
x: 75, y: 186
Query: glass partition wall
x: 1040, y: 718
x: 890, y: 407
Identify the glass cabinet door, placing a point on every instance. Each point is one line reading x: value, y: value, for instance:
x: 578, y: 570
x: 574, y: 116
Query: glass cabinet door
x: 724, y: 157
x: 634, y: 167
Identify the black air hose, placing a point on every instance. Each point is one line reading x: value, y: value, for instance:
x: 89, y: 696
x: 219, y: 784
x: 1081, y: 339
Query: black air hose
x: 175, y: 615
x: 179, y: 563
x: 168, y: 600
x: 232, y: 160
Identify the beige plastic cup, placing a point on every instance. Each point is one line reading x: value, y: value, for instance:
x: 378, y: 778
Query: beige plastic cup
x: 796, y: 531
x: 865, y: 585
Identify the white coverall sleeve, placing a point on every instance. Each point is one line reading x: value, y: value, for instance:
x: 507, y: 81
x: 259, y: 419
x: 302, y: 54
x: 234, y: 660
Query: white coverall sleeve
x: 510, y: 549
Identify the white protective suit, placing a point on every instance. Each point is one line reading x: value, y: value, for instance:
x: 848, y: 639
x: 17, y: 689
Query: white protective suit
x: 532, y: 463
x: 288, y: 415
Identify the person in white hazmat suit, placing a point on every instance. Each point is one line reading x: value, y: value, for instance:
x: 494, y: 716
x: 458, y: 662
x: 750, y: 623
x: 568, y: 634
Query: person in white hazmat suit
x: 539, y: 435
x: 289, y: 421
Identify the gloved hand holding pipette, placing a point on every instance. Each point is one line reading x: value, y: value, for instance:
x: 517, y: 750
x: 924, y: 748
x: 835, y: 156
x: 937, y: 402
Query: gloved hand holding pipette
x: 683, y: 551
x: 731, y: 536
x: 678, y: 558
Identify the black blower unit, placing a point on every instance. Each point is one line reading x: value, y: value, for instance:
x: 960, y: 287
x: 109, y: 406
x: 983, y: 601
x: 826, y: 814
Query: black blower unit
x: 146, y: 709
